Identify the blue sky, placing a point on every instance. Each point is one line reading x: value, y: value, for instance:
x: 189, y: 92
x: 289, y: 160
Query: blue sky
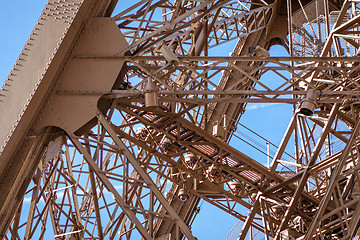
x: 17, y: 19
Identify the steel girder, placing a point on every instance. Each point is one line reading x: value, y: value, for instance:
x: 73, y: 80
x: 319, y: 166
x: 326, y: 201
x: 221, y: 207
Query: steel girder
x: 131, y: 110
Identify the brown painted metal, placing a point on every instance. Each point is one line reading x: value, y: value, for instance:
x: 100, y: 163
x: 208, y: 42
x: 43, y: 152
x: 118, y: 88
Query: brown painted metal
x: 99, y: 161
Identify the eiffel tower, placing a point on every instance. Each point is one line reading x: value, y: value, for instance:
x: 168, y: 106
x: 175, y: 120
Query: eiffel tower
x: 119, y: 118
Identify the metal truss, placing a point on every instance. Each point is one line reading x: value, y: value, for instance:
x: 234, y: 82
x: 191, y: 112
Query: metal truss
x: 165, y: 138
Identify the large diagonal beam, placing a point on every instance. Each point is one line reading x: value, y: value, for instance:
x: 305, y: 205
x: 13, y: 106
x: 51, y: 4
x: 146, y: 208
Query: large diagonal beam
x: 27, y: 89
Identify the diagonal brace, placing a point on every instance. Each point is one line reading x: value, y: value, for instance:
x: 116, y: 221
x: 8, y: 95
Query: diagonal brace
x: 134, y: 162
x: 333, y: 180
x: 305, y: 174
x: 100, y: 174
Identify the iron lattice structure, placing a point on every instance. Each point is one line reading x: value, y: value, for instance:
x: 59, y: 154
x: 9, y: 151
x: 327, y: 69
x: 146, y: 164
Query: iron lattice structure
x: 121, y: 120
